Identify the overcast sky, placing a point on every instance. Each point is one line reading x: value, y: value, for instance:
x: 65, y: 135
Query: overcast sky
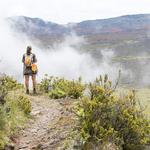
x: 64, y: 11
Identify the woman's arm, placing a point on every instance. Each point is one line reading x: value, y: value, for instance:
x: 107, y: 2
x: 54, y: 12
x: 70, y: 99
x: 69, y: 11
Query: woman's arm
x: 34, y: 58
x: 23, y: 59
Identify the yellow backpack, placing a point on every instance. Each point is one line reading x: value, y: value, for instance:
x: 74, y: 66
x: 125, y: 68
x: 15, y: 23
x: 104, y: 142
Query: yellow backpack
x: 28, y: 60
x: 34, y: 67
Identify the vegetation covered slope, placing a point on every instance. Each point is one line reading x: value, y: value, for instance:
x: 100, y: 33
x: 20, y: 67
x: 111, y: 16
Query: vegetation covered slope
x: 100, y: 117
x: 104, y: 118
x: 125, y: 36
x: 14, y: 109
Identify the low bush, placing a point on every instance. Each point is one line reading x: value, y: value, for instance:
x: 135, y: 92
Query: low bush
x: 57, y: 93
x: 45, y: 84
x: 13, y: 114
x: 61, y: 88
x: 105, y: 118
x: 14, y: 108
x: 24, y: 104
x: 3, y: 93
x: 7, y: 84
x: 2, y: 128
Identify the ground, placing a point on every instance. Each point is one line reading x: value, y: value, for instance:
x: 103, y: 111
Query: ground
x: 50, y: 124
x: 52, y: 121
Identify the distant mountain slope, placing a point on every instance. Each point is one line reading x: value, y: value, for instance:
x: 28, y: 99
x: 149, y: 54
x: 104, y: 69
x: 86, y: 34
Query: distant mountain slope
x: 120, y: 33
x: 36, y: 26
x: 39, y: 31
x: 118, y: 24
x: 126, y: 36
x: 98, y: 33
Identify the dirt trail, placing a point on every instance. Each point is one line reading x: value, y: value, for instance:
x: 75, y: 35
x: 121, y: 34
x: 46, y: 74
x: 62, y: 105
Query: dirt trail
x: 49, y: 127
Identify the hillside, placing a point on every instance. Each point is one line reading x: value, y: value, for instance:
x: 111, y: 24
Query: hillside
x: 128, y: 37
x: 67, y: 117
x: 130, y: 29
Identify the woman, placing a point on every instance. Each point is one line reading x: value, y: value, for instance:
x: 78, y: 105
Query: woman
x: 29, y: 68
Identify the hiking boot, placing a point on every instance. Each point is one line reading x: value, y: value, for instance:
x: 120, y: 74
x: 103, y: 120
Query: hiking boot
x: 34, y: 91
x: 27, y: 91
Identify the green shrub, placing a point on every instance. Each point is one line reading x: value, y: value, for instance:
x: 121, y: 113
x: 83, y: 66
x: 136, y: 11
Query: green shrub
x: 45, y: 84
x: 7, y: 84
x: 107, y: 118
x: 13, y: 114
x: 3, y: 93
x: 60, y: 87
x: 14, y: 108
x: 75, y: 89
x: 2, y: 128
x: 57, y: 93
x: 24, y: 103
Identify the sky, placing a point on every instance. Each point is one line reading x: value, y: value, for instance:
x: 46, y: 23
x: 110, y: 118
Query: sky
x: 64, y: 60
x: 66, y: 11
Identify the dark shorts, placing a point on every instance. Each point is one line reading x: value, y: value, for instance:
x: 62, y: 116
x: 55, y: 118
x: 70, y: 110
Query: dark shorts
x: 28, y: 71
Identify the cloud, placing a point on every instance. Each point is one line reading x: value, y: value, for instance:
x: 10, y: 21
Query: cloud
x: 10, y: 51
x: 66, y: 61
x: 65, y: 11
x: 62, y: 60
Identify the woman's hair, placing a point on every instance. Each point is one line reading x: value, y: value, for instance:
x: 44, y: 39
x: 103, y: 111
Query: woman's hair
x: 29, y: 48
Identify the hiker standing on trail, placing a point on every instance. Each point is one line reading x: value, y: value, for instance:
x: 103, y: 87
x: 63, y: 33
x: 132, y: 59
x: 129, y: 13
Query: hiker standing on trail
x: 29, y: 68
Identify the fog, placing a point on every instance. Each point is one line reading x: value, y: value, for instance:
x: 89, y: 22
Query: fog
x: 67, y: 62
x: 73, y: 10
x: 63, y: 60
x: 10, y: 52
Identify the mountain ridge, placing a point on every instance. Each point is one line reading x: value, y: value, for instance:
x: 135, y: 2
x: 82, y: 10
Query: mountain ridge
x: 99, y: 30
x: 109, y: 18
x: 117, y: 24
x: 125, y: 36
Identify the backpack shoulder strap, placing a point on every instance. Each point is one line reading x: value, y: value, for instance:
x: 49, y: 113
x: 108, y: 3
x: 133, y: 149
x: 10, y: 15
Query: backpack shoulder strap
x: 31, y: 56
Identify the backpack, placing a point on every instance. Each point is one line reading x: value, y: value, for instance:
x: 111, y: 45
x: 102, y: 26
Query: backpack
x: 28, y: 60
x: 34, y: 67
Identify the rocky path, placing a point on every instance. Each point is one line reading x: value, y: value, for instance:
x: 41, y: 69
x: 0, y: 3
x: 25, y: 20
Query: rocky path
x: 49, y: 127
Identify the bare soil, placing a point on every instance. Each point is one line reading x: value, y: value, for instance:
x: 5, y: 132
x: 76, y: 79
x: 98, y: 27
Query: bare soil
x: 49, y: 127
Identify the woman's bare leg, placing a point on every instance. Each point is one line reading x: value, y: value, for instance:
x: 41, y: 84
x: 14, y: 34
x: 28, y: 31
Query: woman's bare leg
x: 34, y: 83
x: 27, y: 83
